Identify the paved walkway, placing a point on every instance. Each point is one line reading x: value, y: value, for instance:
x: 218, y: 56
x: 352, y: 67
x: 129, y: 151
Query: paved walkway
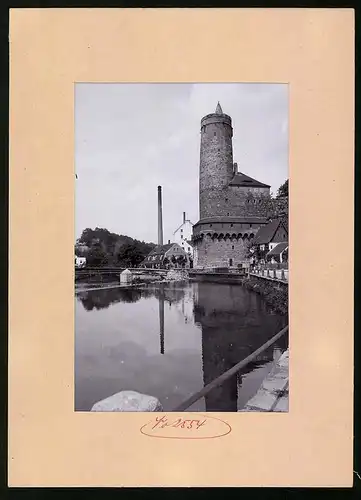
x: 273, y: 393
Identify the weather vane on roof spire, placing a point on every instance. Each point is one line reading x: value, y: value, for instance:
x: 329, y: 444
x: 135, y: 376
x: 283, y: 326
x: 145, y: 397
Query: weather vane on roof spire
x: 219, y: 109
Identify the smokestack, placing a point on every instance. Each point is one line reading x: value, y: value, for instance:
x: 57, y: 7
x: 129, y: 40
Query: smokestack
x: 160, y: 218
x: 184, y: 217
x: 235, y: 168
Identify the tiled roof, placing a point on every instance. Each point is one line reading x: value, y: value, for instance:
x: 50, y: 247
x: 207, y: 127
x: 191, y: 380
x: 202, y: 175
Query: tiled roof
x: 244, y: 180
x: 161, y: 249
x: 266, y: 233
x: 278, y: 249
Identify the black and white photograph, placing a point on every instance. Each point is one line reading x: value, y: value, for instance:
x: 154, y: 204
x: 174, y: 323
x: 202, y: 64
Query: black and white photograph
x: 181, y: 247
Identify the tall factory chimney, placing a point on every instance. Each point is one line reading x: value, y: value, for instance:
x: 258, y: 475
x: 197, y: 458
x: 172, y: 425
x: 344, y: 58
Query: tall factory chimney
x: 160, y: 217
x: 184, y: 217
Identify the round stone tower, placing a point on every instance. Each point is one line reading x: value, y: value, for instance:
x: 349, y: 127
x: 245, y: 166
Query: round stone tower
x: 216, y: 162
x: 230, y: 203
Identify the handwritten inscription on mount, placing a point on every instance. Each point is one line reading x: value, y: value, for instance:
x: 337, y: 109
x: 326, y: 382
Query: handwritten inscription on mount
x: 186, y: 427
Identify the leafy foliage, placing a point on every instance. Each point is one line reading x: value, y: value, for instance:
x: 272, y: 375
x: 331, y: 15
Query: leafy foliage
x: 278, y: 205
x: 283, y: 190
x: 130, y: 254
x: 102, y: 247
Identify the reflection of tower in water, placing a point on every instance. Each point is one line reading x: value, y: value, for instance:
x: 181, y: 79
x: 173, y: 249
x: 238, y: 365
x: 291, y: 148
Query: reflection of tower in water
x: 234, y: 324
x: 161, y: 320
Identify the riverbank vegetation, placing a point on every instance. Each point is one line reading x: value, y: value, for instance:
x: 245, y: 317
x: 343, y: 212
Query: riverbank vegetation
x: 275, y: 295
x: 104, y: 248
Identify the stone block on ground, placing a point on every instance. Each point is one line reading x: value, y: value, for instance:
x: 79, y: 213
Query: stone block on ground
x: 128, y: 401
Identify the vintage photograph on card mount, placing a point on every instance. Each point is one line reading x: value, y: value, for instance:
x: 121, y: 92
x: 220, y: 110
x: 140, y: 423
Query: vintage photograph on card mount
x: 181, y: 247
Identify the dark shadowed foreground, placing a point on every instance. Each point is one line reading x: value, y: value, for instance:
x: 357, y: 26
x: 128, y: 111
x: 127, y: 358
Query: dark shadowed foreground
x: 170, y: 340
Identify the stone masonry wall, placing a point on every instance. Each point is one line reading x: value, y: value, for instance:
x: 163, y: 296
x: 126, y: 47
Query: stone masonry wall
x: 234, y: 201
x: 216, y: 165
x: 217, y: 253
x: 226, y: 227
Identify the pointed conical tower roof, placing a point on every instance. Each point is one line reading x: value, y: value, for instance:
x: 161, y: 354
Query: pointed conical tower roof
x: 219, y: 109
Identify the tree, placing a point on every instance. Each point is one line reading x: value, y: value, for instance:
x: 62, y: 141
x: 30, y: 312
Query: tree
x: 182, y: 260
x: 278, y: 205
x: 283, y: 190
x: 249, y: 249
x: 97, y: 256
x: 130, y: 255
x: 114, y: 247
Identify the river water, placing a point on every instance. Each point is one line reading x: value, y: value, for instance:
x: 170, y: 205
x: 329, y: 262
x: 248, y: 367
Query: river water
x: 169, y: 340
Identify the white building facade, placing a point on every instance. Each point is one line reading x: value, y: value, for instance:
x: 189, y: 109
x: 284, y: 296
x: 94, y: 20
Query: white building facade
x: 80, y: 261
x: 183, y: 236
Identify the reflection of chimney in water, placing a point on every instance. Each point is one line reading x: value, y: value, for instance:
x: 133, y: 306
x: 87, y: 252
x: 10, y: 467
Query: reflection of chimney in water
x: 160, y: 217
x: 161, y: 321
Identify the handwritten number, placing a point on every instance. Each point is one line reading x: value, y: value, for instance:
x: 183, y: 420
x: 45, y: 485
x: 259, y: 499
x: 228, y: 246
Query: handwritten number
x: 199, y: 424
x: 183, y: 424
x: 160, y: 420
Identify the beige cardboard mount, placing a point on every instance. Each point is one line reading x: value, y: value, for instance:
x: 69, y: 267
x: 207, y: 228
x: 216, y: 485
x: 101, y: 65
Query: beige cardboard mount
x: 311, y: 50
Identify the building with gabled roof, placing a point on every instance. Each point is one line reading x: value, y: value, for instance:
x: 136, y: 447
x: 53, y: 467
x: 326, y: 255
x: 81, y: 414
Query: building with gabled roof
x: 183, y: 236
x: 162, y: 256
x: 279, y: 253
x: 271, y: 240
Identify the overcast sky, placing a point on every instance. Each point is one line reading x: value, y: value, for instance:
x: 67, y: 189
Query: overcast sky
x: 130, y: 138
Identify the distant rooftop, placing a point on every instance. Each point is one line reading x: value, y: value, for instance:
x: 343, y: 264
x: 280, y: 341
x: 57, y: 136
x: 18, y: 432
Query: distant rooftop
x: 161, y: 249
x: 244, y: 180
x: 266, y: 233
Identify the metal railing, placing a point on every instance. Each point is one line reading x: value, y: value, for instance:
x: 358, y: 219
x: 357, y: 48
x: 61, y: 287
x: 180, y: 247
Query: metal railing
x: 270, y: 265
x: 275, y: 274
x: 229, y: 373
